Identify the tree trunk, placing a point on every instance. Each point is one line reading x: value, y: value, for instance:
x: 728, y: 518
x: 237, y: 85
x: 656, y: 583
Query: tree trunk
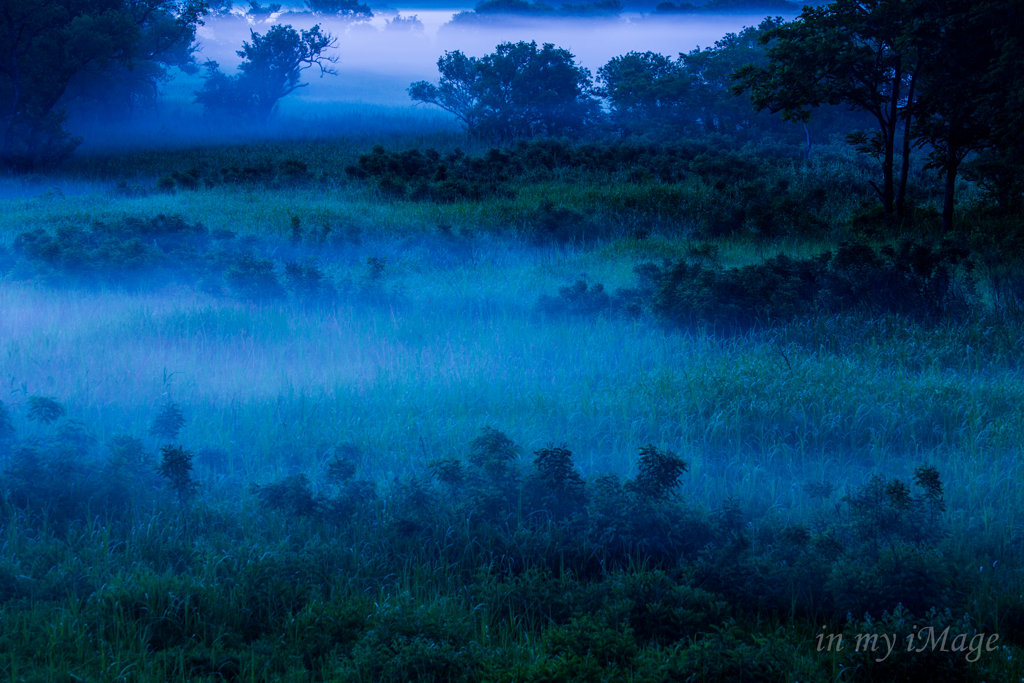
x: 908, y: 114
x: 948, y: 200
x: 889, y: 137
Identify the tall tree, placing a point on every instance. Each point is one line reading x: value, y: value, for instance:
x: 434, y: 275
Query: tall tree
x: 937, y: 74
x: 970, y: 78
x: 46, y: 44
x: 850, y: 52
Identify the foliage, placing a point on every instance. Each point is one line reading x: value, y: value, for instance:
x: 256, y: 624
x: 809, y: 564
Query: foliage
x: 271, y: 68
x: 644, y: 90
x: 516, y: 91
x: 559, y: 486
x: 257, y: 10
x: 52, y: 49
x: 254, y: 278
x: 44, y: 409
x: 921, y: 80
x: 657, y: 474
x: 932, y: 644
x: 168, y: 422
x: 176, y: 467
x: 308, y: 282
x: 550, y: 224
x: 913, y: 279
x: 124, y: 254
x: 578, y: 298
x: 431, y: 176
x: 867, y: 67
x: 399, y: 23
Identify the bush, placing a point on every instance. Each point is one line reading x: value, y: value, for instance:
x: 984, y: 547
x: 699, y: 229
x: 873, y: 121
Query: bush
x: 133, y: 253
x: 577, y: 299
x: 916, y: 280
x: 254, y: 278
x: 431, y: 176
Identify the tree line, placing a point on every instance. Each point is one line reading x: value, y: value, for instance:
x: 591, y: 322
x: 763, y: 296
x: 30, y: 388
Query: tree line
x: 942, y: 76
x: 937, y: 77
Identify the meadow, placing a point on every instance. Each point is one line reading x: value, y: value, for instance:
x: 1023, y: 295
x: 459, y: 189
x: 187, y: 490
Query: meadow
x: 307, y: 408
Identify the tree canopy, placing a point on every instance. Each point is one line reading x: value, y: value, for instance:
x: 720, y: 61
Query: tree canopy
x: 518, y: 90
x: 933, y: 73
x: 271, y: 68
x: 47, y: 46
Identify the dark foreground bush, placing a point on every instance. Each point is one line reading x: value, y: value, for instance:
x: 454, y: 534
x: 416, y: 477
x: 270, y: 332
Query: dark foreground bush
x: 489, y: 566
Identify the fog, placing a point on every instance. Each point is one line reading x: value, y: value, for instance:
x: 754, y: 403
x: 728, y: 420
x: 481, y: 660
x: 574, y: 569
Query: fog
x: 376, y: 63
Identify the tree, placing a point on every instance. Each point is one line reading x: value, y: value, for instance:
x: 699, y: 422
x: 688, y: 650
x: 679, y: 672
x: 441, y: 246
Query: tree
x: 712, y: 101
x: 120, y: 89
x: 965, y: 84
x: 46, y: 44
x: 176, y: 468
x: 517, y: 91
x: 693, y: 94
x: 645, y: 88
x: 849, y: 52
x: 933, y: 73
x: 271, y: 68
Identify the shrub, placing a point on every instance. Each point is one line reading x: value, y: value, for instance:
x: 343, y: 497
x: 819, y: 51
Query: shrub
x: 577, y: 299
x: 658, y: 474
x: 431, y: 176
x: 556, y: 486
x: 550, y: 224
x: 916, y: 280
x: 44, y: 409
x: 132, y: 253
x: 168, y: 422
x: 176, y: 467
x: 307, y: 282
x: 254, y: 278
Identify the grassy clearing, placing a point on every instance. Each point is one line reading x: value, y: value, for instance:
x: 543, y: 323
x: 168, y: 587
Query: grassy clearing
x: 439, y: 578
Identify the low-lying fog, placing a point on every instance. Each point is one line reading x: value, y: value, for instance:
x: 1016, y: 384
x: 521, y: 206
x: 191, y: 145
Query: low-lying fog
x: 377, y: 62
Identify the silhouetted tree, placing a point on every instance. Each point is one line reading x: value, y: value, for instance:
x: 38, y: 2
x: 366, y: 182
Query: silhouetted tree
x: 271, y: 68
x: 847, y: 52
x: 520, y: 90
x: 46, y: 45
x: 645, y: 88
x: 968, y: 84
x: 938, y: 73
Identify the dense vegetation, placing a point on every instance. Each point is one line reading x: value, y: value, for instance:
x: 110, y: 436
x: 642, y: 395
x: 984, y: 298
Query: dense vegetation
x: 606, y: 380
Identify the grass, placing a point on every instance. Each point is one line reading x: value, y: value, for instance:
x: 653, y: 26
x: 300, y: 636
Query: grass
x: 224, y: 587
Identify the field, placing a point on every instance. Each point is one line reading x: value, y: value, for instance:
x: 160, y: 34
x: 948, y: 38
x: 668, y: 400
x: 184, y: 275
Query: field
x: 310, y: 408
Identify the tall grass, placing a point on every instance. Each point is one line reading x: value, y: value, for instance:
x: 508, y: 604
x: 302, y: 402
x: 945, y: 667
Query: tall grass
x: 226, y: 588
